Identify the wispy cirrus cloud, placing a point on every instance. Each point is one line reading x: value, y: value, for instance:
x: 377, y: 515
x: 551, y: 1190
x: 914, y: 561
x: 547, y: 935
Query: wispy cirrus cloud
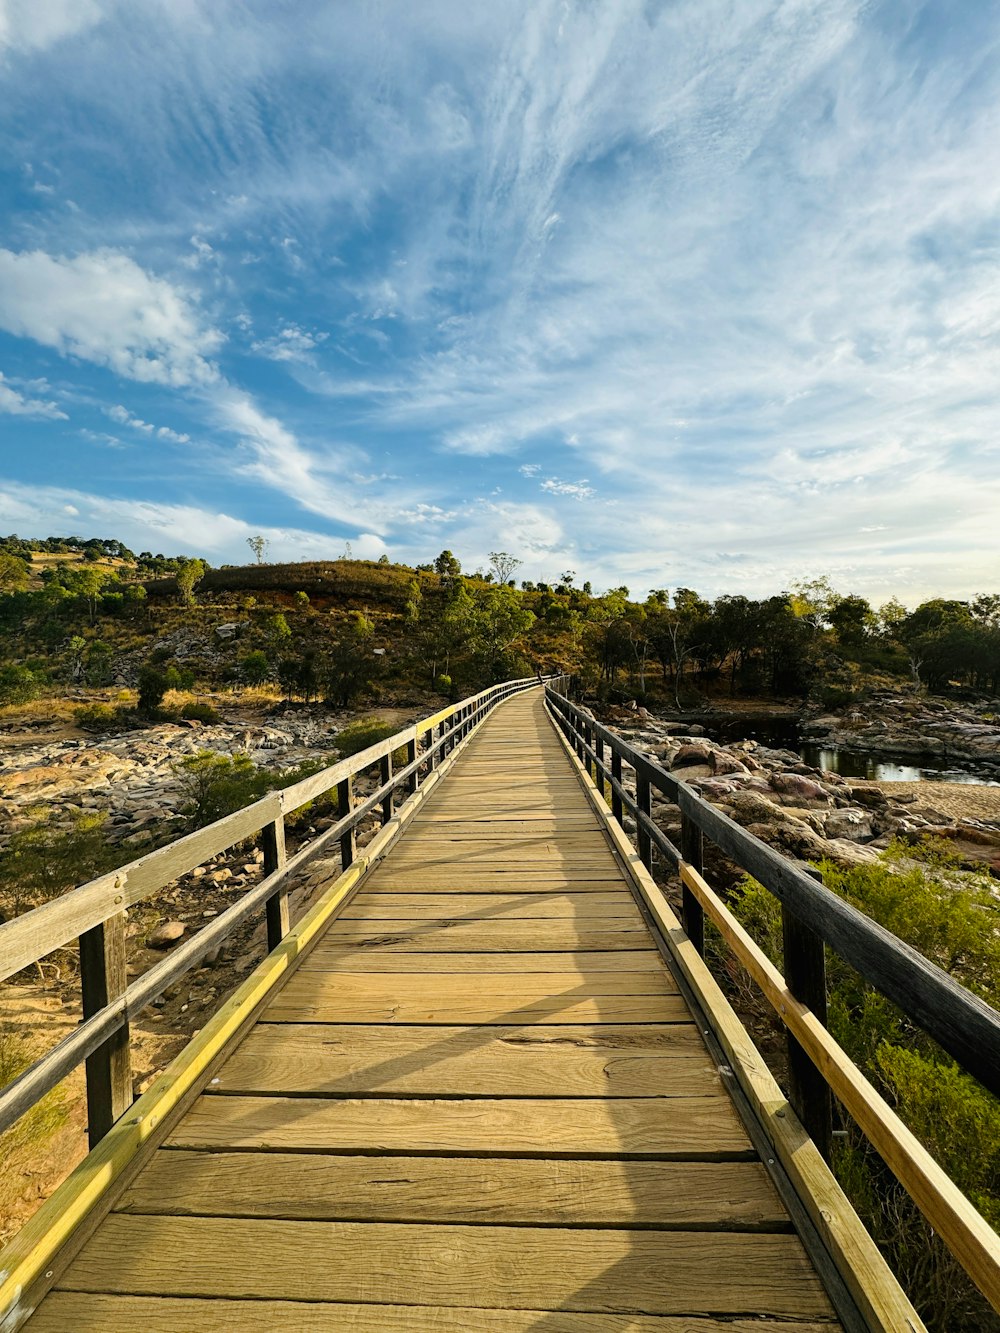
x: 16, y: 403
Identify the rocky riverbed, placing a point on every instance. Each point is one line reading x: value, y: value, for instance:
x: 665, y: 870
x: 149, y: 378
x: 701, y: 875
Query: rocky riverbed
x: 810, y: 814
x: 907, y: 725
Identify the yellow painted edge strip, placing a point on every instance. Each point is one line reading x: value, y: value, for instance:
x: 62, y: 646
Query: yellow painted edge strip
x: 871, y: 1281
x: 30, y: 1254
x: 964, y: 1230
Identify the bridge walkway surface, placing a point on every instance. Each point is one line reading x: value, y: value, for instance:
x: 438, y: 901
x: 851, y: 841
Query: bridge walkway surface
x: 479, y: 1103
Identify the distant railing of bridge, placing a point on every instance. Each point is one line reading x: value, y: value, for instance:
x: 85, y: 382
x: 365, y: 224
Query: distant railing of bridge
x: 95, y: 913
x: 813, y: 918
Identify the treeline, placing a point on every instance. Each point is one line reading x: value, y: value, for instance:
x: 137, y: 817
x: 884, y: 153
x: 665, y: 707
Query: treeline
x: 433, y: 621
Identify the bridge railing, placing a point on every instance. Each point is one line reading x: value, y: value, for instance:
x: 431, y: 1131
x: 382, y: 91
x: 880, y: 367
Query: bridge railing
x: 95, y: 913
x: 813, y: 919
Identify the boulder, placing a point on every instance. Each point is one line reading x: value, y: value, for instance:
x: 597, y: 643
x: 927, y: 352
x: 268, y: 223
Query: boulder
x: 165, y: 934
x: 796, y: 784
x: 227, y: 631
x: 850, y: 825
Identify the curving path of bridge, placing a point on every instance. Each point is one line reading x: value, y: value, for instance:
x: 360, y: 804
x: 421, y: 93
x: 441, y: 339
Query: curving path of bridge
x: 479, y: 1103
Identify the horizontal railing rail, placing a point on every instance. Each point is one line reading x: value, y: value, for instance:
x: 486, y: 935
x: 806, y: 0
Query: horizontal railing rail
x: 95, y: 913
x: 813, y: 918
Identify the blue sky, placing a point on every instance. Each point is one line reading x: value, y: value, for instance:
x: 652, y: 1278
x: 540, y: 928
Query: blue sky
x: 673, y: 292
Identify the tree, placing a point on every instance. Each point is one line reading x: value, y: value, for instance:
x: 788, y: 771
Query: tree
x: 13, y: 573
x: 255, y: 668
x: 503, y: 565
x: 352, y: 664
x: 447, y: 566
x: 188, y: 576
x: 259, y: 547
x: 811, y: 600
x: 87, y: 583
x: 499, y: 619
x: 852, y: 619
x: 153, y: 685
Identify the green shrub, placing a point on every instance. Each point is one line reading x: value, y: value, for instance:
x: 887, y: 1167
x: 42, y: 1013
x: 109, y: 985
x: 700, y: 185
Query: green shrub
x: 443, y: 683
x: 18, y: 685
x: 357, y: 736
x: 41, y: 861
x: 98, y: 717
x: 153, y: 685
x: 199, y: 710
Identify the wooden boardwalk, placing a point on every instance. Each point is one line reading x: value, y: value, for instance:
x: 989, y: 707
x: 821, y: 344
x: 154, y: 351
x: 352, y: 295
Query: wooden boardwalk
x: 480, y: 1103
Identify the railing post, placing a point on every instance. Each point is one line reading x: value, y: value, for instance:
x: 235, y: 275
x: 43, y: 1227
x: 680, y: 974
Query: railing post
x: 693, y: 852
x: 385, y: 775
x: 644, y: 806
x: 616, y: 774
x: 276, y: 908
x: 599, y: 765
x: 413, y: 782
x: 103, y: 978
x: 431, y: 752
x: 345, y: 804
x: 805, y: 975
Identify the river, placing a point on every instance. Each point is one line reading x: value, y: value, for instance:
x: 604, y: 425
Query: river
x: 784, y: 734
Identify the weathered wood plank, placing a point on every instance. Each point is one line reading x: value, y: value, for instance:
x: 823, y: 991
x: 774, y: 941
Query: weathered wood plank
x: 656, y: 1272
x: 99, y: 1313
x: 385, y: 882
x: 574, y: 1061
x: 728, y: 1196
x: 494, y: 937
x: 314, y: 1001
x: 674, y: 1127
x: 557, y: 906
x: 327, y: 957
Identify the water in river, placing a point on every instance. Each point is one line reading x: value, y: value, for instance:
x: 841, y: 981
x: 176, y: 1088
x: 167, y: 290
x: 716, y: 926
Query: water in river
x: 783, y: 734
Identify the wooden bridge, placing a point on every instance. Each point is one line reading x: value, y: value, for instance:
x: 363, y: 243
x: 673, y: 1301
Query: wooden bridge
x: 486, y: 1083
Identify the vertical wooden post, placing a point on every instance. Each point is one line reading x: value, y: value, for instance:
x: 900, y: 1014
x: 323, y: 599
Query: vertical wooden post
x: 413, y: 782
x: 599, y: 777
x: 385, y: 775
x: 692, y: 912
x: 616, y: 773
x: 345, y: 804
x: 805, y: 973
x: 276, y: 908
x: 645, y: 807
x: 103, y: 978
x: 431, y: 752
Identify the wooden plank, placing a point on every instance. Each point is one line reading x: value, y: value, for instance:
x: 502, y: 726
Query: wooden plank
x: 385, y: 883
x: 327, y: 957
x: 655, y: 1272
x: 305, y: 1001
x: 493, y: 937
x: 86, y: 1313
x: 703, y: 1128
x: 728, y: 1196
x: 565, y: 906
x: 307, y: 1060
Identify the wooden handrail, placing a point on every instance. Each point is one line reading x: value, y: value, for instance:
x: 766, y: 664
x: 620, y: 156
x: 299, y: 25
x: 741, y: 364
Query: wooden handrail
x: 94, y: 913
x: 964, y: 1024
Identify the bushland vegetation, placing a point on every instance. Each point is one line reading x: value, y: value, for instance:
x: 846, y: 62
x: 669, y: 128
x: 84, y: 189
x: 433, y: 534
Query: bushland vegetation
x: 92, y: 614
x: 951, y: 916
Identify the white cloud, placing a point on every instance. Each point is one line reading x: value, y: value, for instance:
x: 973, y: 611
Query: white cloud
x: 14, y: 403
x: 185, y: 529
x: 102, y: 307
x: 27, y: 25
x: 290, y: 344
x: 576, y: 490
x: 125, y: 418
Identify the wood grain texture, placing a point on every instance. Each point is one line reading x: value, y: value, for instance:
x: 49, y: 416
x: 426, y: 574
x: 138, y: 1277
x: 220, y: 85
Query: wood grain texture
x: 562, y: 906
x: 493, y: 937
x: 726, y: 1196
x: 320, y: 997
x: 85, y: 1313
x: 328, y: 957
x: 663, y: 1272
x: 673, y: 1127
x: 595, y: 1061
